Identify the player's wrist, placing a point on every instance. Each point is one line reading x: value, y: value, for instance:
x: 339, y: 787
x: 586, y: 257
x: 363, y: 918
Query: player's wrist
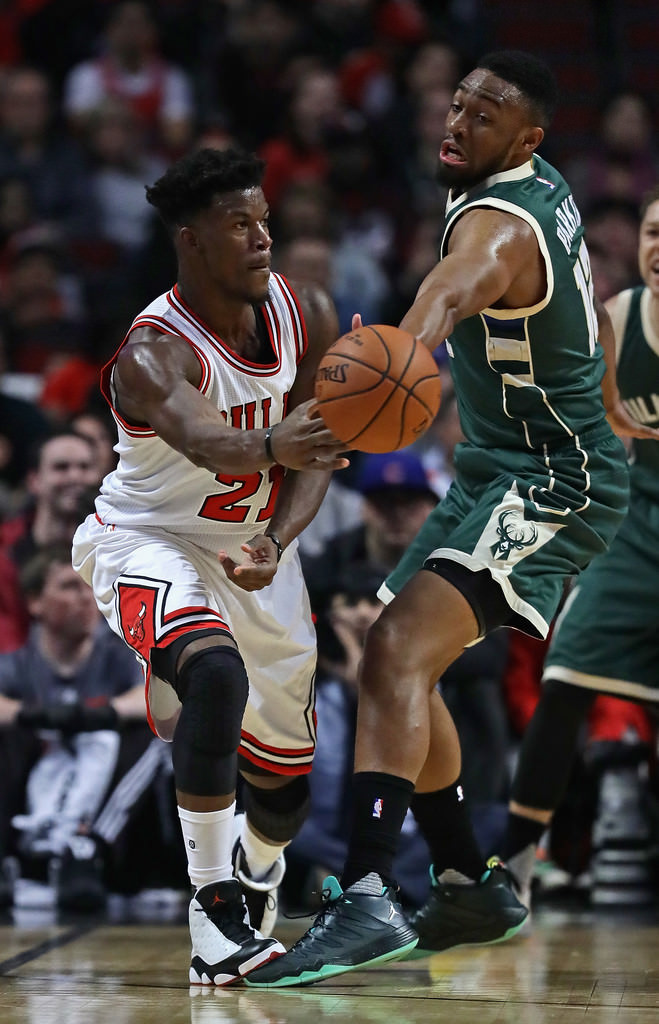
x: 277, y: 543
x: 267, y: 441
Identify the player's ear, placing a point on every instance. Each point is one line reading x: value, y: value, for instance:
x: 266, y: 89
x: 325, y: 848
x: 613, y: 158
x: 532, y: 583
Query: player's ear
x: 188, y: 238
x: 532, y: 138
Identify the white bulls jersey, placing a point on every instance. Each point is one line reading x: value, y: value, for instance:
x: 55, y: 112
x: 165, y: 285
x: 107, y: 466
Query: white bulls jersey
x: 154, y: 485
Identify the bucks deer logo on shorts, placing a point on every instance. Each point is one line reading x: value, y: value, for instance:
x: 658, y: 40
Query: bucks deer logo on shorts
x: 514, y: 534
x: 509, y: 536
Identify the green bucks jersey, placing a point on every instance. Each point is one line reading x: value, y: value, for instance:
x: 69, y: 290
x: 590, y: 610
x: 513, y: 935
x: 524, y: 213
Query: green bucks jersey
x: 638, y: 383
x: 526, y: 378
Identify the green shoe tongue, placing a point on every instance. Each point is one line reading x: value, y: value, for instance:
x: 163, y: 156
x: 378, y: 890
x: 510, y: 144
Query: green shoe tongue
x: 331, y: 886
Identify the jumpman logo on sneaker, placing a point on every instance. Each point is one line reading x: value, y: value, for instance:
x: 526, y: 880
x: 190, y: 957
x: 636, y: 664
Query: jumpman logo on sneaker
x: 217, y: 899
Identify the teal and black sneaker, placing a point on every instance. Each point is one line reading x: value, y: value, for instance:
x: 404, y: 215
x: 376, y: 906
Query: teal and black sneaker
x: 353, y: 930
x: 457, y: 915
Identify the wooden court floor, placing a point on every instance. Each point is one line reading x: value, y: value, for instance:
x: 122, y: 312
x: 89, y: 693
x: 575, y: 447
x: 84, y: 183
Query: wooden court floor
x: 568, y: 967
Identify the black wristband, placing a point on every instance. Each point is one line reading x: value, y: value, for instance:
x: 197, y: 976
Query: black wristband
x: 267, y: 440
x: 277, y: 543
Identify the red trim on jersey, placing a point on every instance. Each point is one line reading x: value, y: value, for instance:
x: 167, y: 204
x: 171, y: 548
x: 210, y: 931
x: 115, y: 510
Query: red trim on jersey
x: 193, y: 609
x: 276, y: 766
x: 296, y: 315
x: 227, y: 353
x: 273, y: 327
x: 106, y: 391
x: 191, y: 627
x: 282, y: 751
x: 275, y: 762
x: 162, y: 327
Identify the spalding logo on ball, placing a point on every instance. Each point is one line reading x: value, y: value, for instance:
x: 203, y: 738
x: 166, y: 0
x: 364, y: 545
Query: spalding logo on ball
x: 378, y: 388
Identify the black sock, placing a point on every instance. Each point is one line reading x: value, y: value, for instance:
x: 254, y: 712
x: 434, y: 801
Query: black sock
x: 520, y: 833
x: 446, y: 826
x: 380, y: 803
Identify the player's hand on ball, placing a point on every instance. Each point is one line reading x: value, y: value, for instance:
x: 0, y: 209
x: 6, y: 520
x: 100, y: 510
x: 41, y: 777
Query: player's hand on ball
x: 258, y: 567
x: 302, y: 441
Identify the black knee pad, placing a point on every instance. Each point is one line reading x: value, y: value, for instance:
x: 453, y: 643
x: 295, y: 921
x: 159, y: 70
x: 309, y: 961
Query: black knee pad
x: 214, y: 687
x: 278, y: 814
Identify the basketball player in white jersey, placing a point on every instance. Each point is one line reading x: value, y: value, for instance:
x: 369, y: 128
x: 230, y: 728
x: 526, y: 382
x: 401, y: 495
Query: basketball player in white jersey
x: 192, y: 549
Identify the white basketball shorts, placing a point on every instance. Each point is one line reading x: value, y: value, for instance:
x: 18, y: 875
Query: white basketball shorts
x: 153, y: 587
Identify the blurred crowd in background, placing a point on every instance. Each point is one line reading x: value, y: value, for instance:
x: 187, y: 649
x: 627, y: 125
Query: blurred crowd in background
x: 345, y: 100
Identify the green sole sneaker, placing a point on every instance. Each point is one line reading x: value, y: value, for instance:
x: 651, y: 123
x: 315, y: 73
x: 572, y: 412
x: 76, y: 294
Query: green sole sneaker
x: 461, y: 915
x: 351, y: 932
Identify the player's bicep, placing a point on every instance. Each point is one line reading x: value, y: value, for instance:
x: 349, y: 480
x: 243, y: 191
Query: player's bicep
x: 488, y: 252
x: 156, y: 382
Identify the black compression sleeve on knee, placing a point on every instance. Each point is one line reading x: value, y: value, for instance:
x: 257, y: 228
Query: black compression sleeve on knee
x: 278, y: 814
x: 204, y: 751
x: 550, y: 744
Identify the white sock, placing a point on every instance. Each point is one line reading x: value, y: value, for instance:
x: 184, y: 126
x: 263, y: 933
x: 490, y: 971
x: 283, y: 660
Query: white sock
x: 208, y: 838
x: 260, y: 855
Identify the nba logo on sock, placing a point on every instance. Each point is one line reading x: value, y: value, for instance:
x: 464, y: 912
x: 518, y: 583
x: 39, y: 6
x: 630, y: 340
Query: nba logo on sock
x: 377, y: 808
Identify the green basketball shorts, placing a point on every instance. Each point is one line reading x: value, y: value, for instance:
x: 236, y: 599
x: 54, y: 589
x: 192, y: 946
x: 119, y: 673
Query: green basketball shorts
x: 531, y: 520
x: 607, y: 635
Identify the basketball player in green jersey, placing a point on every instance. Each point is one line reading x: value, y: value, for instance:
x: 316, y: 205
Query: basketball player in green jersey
x: 607, y: 637
x: 541, y: 488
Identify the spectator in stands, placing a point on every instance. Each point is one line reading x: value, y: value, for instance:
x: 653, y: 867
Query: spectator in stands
x: 66, y: 691
x: 22, y: 426
x: 95, y: 423
x: 350, y: 274
x: 420, y: 159
x: 313, y: 116
x: 436, y: 448
x: 612, y: 227
x: 43, y: 307
x: 33, y: 149
x: 63, y: 473
x: 131, y: 68
x: 622, y: 161
x: 396, y: 498
x: 256, y: 44
x: 120, y: 164
x: 370, y: 74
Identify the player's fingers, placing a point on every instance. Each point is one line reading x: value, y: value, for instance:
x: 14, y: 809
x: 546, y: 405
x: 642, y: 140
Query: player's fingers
x: 258, y: 553
x: 227, y: 563
x: 356, y: 321
x: 328, y: 462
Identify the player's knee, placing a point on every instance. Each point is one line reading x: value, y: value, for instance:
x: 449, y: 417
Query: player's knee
x: 213, y: 687
x: 387, y: 652
x: 278, y: 814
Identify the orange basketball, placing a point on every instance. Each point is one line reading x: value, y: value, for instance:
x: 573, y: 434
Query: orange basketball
x: 378, y: 388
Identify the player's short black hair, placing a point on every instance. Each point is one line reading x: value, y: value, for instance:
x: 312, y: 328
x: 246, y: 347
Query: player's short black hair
x: 532, y: 76
x: 191, y: 184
